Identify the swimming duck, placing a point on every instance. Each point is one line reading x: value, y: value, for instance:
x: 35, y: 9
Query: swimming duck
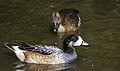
x: 66, y: 20
x: 43, y: 54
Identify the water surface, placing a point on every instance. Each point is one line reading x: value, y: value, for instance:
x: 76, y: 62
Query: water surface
x: 30, y: 21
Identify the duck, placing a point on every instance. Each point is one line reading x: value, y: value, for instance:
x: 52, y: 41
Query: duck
x: 66, y: 20
x: 44, y: 54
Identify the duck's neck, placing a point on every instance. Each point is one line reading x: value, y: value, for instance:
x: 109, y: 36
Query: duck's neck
x: 68, y: 49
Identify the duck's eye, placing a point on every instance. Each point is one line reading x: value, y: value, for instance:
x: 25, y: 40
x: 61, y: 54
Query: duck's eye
x: 74, y: 39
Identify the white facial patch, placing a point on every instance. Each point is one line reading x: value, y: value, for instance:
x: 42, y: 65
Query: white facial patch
x: 78, y: 42
x: 70, y: 44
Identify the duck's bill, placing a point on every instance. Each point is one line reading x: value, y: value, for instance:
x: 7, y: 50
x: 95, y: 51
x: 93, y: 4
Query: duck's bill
x: 85, y: 44
x: 55, y: 26
x: 81, y: 43
x: 54, y: 30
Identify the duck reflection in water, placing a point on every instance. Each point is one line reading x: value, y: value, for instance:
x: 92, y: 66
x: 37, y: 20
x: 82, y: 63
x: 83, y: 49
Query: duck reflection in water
x: 43, y: 67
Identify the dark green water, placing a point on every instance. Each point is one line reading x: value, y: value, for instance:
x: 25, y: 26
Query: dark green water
x: 30, y: 21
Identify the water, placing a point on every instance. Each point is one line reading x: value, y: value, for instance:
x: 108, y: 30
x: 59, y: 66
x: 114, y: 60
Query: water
x: 30, y: 21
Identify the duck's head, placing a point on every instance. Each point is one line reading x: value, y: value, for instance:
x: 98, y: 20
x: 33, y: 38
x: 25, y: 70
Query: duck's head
x: 56, y: 20
x: 74, y: 40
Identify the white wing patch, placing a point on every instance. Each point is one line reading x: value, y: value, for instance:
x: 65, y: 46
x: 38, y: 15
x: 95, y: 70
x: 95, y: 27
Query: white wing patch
x: 19, y: 53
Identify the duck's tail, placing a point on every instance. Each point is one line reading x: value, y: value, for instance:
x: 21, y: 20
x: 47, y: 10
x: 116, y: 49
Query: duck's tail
x: 12, y: 46
x: 15, y: 47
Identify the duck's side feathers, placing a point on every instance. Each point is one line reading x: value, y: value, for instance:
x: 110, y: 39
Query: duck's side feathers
x: 15, y: 47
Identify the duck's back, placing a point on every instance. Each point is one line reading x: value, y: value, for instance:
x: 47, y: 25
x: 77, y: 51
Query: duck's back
x: 70, y: 18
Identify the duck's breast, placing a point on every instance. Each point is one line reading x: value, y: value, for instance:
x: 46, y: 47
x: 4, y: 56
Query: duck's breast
x: 32, y: 57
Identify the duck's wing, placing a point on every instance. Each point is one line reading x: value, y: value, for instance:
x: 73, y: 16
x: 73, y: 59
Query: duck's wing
x: 71, y: 16
x: 42, y: 49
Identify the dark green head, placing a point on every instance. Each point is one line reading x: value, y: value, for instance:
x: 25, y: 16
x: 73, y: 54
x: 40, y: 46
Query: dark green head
x: 73, y: 40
